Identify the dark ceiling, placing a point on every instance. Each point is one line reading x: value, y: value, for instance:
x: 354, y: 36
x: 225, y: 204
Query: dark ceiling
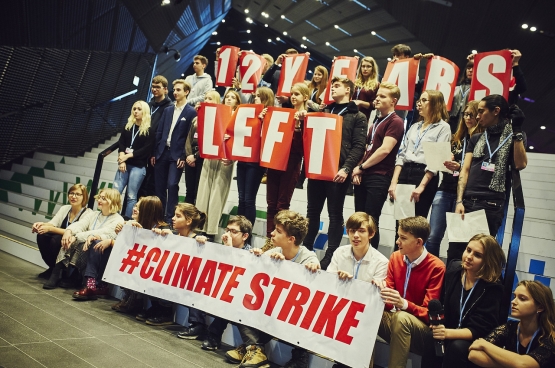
x: 450, y: 29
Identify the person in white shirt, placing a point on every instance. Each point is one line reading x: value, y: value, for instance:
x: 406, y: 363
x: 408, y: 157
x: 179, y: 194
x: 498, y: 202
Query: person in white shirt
x: 200, y: 82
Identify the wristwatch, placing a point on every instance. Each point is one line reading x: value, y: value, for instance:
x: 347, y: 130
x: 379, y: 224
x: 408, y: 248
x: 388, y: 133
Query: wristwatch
x: 345, y: 169
x: 518, y: 137
x: 361, y: 168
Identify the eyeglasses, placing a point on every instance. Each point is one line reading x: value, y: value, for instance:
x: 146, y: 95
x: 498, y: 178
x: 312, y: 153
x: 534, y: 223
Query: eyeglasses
x: 73, y: 194
x: 156, y: 87
x: 422, y: 101
x: 102, y: 197
x: 468, y: 115
x: 233, y: 231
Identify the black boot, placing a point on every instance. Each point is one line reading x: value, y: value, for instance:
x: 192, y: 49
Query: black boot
x: 299, y: 359
x: 325, y: 262
x: 54, y: 277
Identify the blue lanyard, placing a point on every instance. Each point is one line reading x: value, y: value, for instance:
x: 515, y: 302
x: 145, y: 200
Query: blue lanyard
x: 102, y: 224
x: 340, y: 112
x: 76, y: 217
x: 500, y: 144
x: 156, y: 109
x: 463, y: 152
x: 313, y: 94
x: 419, y: 137
x: 294, y: 258
x: 375, y: 127
x: 407, y: 277
x: 461, y: 305
x: 358, y: 93
x: 134, y: 135
x: 529, y: 344
x: 356, y: 264
x: 465, y: 93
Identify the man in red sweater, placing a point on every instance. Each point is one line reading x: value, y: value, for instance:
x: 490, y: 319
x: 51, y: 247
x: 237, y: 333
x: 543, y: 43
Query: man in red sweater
x: 414, y: 277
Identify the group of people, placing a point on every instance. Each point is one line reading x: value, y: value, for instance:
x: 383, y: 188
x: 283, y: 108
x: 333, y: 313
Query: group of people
x: 160, y: 141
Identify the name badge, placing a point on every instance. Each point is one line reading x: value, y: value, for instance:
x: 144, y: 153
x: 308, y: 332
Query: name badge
x: 488, y: 166
x: 369, y: 147
x: 195, y: 135
x: 129, y: 150
x: 455, y: 173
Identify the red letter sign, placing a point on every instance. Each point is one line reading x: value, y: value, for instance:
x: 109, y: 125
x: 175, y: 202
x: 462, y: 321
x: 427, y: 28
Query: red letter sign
x: 293, y: 70
x: 492, y: 75
x: 212, y: 121
x: 344, y: 67
x: 441, y: 75
x: 322, y: 145
x: 227, y: 63
x: 244, y: 129
x: 250, y: 70
x: 277, y: 136
x: 403, y: 74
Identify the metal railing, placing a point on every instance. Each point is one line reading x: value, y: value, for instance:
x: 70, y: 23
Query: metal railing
x: 98, y: 170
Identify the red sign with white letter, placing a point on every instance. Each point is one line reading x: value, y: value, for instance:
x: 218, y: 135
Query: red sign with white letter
x: 441, y: 75
x: 322, y: 145
x: 212, y: 121
x: 277, y: 137
x: 492, y: 75
x: 227, y: 63
x: 344, y: 67
x: 403, y: 74
x: 244, y: 130
x: 316, y: 311
x: 293, y: 70
x: 250, y: 70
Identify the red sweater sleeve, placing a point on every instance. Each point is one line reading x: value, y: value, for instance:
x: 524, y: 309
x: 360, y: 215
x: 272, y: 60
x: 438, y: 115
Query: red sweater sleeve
x: 435, y: 274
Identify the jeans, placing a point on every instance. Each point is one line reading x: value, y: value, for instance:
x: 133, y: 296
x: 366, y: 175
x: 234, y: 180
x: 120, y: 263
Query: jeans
x: 318, y: 191
x: 443, y: 202
x: 167, y: 181
x: 370, y: 197
x: 192, y: 178
x: 96, y: 263
x: 132, y: 178
x: 248, y: 181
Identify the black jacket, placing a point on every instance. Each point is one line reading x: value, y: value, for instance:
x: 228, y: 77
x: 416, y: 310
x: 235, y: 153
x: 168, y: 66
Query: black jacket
x: 156, y: 110
x: 353, y: 137
x: 481, y: 313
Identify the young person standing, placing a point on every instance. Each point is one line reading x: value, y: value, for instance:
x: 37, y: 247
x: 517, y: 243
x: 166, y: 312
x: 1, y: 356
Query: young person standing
x: 373, y: 175
x: 366, y: 85
x: 353, y: 140
x: 200, y: 82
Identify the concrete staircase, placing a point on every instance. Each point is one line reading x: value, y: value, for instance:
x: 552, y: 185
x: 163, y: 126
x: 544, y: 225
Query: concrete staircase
x: 33, y: 189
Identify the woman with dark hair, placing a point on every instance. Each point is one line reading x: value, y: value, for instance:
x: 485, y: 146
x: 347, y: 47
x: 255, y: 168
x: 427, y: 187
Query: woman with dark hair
x: 49, y: 234
x: 410, y: 166
x: 460, y: 95
x: 471, y: 298
x: 444, y: 200
x: 366, y: 85
x: 317, y: 87
x: 487, y: 158
x: 529, y: 342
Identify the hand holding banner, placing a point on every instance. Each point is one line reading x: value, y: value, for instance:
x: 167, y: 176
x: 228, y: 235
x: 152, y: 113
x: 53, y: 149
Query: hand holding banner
x: 250, y: 70
x: 322, y: 145
x: 403, y: 74
x: 227, y: 63
x: 492, y: 74
x: 244, y: 131
x: 277, y: 137
x: 344, y: 67
x: 441, y: 75
x: 293, y: 70
x: 211, y: 121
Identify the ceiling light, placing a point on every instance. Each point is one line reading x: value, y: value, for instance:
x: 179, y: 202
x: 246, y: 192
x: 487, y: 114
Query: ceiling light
x: 388, y: 59
x: 214, y: 33
x: 269, y: 40
x: 246, y: 11
x: 336, y: 26
x: 218, y: 43
x: 265, y: 25
x: 282, y: 16
x: 250, y: 41
x: 285, y: 33
x: 223, y: 20
x: 304, y: 38
x: 182, y: 74
x: 474, y: 52
x: 533, y: 29
x: 327, y: 43
x: 355, y: 50
x: 310, y: 71
x: 373, y: 33
x: 248, y: 31
x: 531, y: 147
x: 524, y: 26
x: 165, y: 2
x: 277, y: 38
x: 542, y: 127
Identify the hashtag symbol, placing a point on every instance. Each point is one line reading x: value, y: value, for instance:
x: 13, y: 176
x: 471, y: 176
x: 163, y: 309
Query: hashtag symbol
x: 133, y: 258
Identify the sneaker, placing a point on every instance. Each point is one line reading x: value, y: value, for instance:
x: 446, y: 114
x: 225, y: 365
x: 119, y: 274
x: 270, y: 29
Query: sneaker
x: 299, y: 359
x: 211, y: 343
x: 160, y: 320
x: 146, y: 314
x: 192, y: 332
x: 255, y: 358
x: 236, y: 355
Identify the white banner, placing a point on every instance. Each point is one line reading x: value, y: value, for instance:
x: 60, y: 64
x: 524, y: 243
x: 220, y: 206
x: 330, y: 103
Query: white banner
x: 338, y: 319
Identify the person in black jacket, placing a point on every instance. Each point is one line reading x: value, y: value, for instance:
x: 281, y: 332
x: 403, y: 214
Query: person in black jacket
x: 472, y: 292
x: 353, y: 144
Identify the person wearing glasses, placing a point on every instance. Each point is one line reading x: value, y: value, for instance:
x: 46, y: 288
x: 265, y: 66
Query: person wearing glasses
x: 444, y: 200
x: 410, y: 166
x: 49, y: 234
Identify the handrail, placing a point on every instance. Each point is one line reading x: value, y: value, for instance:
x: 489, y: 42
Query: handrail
x: 97, y: 170
x: 514, y: 246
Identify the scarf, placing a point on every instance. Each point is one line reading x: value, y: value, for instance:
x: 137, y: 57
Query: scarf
x: 501, y: 158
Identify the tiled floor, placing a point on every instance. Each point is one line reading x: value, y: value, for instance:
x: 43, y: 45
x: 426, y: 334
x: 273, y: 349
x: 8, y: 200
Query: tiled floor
x: 47, y: 328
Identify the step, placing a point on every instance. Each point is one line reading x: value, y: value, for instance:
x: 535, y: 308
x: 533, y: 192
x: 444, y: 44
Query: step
x: 75, y: 161
x: 107, y: 173
x: 25, y: 214
x: 35, y: 191
x: 25, y: 201
x: 21, y: 229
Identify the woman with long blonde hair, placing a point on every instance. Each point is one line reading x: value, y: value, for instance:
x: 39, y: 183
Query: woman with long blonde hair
x: 366, y: 85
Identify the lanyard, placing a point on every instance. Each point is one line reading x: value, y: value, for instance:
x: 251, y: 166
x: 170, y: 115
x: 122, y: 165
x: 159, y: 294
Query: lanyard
x: 461, y: 305
x: 134, y: 135
x: 356, y: 265
x: 296, y: 256
x: 340, y: 112
x: 358, y: 93
x: 76, y: 217
x: 375, y: 127
x: 500, y: 144
x: 407, y: 277
x: 313, y: 94
x: 94, y: 225
x: 156, y: 109
x: 419, y: 137
x: 529, y: 344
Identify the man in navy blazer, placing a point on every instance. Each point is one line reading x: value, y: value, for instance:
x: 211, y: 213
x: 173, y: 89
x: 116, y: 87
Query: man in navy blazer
x: 169, y: 149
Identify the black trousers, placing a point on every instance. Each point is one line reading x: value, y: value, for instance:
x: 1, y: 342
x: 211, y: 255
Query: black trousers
x: 217, y: 327
x: 370, y: 197
x: 49, y: 247
x: 192, y: 178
